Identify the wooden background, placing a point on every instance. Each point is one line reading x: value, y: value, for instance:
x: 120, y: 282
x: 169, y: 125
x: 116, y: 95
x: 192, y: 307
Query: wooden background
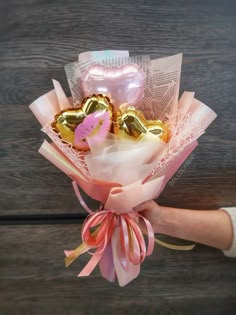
x: 39, y: 213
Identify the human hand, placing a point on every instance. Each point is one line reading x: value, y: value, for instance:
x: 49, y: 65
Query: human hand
x: 152, y: 212
x: 209, y: 227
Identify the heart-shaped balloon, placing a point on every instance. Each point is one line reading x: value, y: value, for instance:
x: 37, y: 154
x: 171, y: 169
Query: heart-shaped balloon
x: 67, y: 121
x: 122, y: 85
x: 131, y: 123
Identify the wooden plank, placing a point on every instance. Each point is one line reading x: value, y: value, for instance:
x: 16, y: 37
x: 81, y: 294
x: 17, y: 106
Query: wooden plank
x: 33, y: 279
x: 39, y: 37
x: 211, y: 75
x: 34, y: 46
x: 32, y: 185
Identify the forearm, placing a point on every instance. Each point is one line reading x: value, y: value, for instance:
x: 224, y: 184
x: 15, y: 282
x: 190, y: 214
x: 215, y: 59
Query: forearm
x: 212, y: 228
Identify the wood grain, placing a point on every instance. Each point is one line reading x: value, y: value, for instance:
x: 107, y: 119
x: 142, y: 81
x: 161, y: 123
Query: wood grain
x: 31, y: 184
x: 33, y: 279
x: 39, y: 37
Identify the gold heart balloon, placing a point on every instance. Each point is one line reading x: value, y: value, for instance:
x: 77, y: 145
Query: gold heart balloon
x: 67, y: 120
x: 131, y: 123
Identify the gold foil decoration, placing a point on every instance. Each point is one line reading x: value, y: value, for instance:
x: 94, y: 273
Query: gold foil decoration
x: 67, y: 120
x: 131, y: 123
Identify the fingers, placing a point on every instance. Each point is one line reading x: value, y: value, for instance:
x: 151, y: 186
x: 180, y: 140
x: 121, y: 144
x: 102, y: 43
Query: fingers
x: 146, y: 205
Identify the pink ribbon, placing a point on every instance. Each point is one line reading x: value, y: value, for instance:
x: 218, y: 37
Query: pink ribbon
x: 104, y: 230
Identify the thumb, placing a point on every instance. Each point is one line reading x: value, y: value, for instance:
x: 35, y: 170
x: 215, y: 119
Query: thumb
x: 145, y: 206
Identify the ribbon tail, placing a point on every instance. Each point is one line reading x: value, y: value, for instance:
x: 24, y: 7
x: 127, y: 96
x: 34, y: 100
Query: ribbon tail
x: 174, y: 247
x: 124, y: 276
x: 72, y: 255
x: 106, y: 264
x: 91, y: 264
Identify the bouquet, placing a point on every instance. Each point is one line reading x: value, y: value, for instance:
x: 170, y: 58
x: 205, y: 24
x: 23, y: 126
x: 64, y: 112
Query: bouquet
x: 120, y: 138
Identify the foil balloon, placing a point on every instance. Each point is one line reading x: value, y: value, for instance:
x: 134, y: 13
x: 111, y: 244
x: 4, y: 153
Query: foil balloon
x: 66, y: 122
x: 131, y: 123
x: 122, y: 85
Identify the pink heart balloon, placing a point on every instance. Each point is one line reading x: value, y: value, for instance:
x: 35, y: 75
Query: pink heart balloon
x: 121, y: 85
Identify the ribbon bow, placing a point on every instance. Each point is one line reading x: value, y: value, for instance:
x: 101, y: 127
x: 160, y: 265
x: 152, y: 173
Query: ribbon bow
x: 98, y: 231
x: 115, y: 241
